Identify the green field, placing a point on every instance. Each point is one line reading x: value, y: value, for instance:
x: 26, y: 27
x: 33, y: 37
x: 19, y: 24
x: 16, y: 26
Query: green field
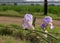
x: 30, y: 8
x: 36, y: 10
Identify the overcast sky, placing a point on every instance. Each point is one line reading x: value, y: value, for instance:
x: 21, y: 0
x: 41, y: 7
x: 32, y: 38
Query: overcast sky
x: 42, y: 0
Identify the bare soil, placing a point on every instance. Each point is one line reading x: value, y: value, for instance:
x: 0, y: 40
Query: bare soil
x: 18, y: 20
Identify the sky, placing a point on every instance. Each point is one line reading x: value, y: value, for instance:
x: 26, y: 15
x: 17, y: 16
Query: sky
x: 42, y: 0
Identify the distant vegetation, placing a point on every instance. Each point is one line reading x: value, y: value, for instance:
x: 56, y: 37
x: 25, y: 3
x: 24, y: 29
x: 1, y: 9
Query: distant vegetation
x: 30, y: 8
x: 36, y: 10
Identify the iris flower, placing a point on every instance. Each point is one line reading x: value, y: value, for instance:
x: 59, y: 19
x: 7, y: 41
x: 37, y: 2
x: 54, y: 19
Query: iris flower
x: 47, y: 20
x: 27, y: 21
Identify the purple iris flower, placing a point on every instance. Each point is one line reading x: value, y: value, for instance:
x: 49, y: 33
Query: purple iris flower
x: 46, y: 21
x: 28, y: 18
x: 43, y: 26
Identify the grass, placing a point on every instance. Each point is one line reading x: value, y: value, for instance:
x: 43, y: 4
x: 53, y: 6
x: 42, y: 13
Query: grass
x: 30, y: 8
x: 12, y: 34
x: 12, y: 13
x: 10, y: 39
x: 36, y: 10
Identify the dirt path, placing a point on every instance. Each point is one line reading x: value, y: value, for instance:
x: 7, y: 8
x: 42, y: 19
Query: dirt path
x: 17, y: 20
